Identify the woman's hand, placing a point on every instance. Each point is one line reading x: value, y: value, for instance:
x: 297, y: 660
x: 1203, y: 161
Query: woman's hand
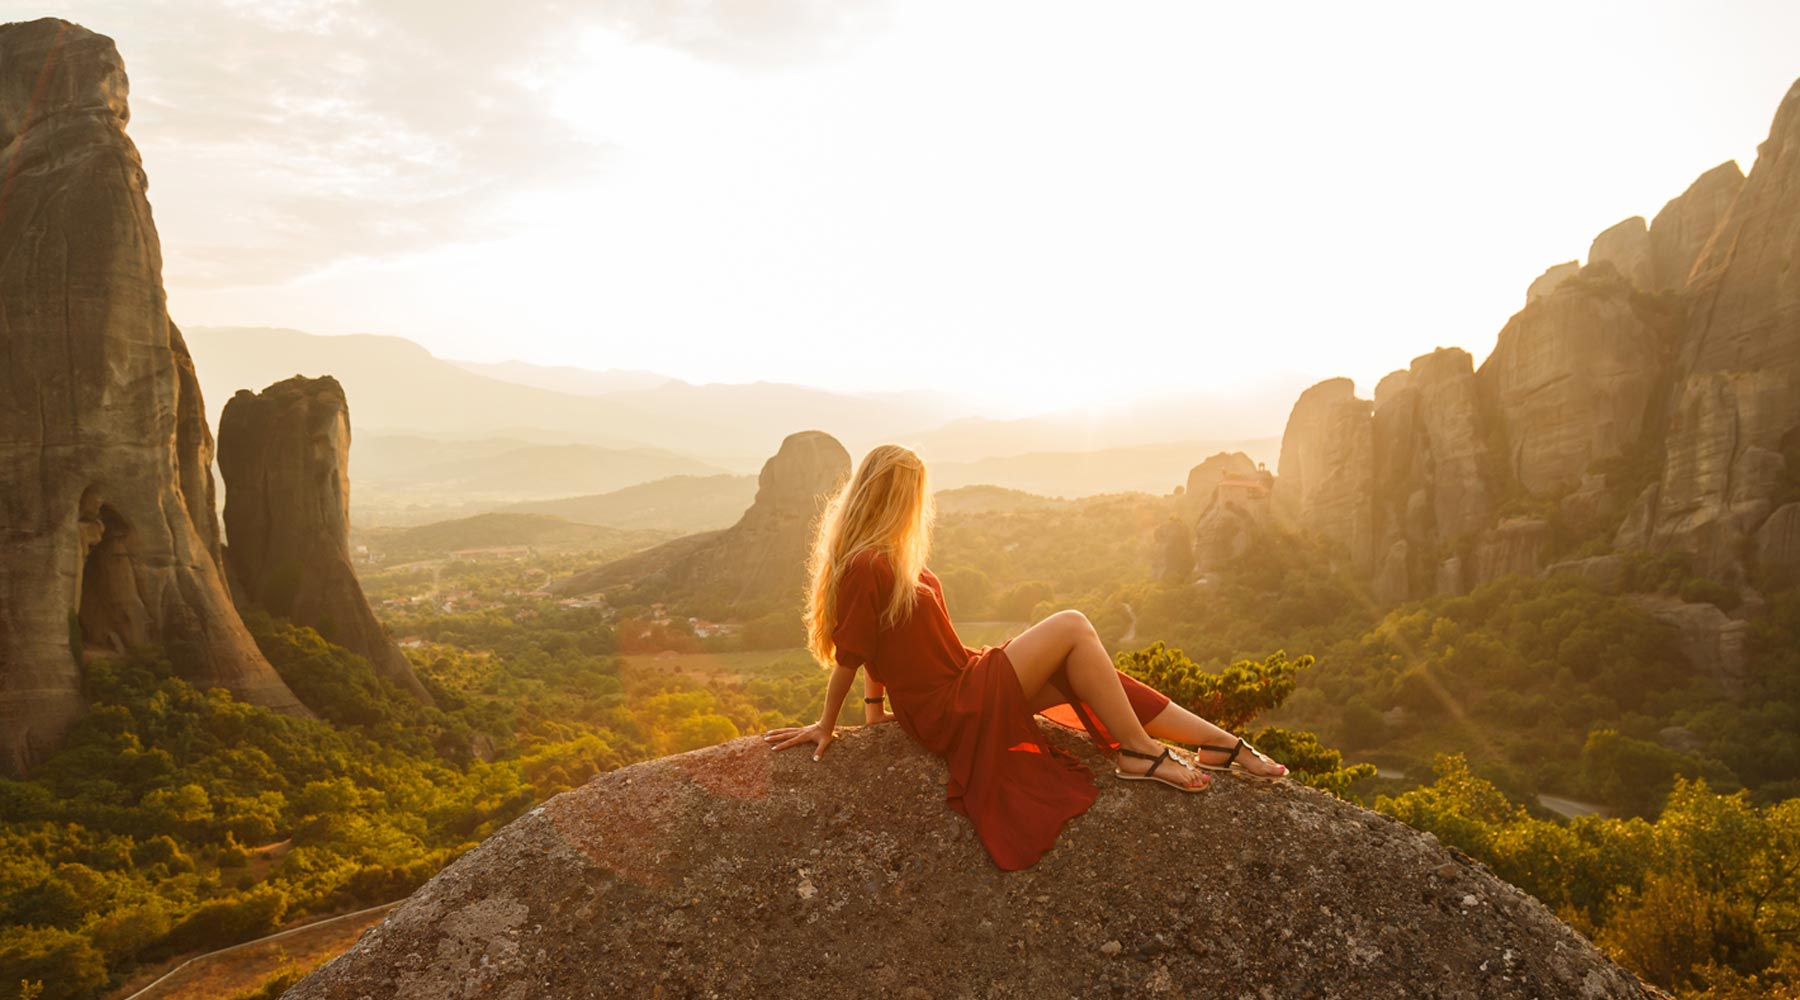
x: 789, y: 736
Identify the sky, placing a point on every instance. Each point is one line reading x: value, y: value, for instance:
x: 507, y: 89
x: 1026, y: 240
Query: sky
x: 1039, y: 205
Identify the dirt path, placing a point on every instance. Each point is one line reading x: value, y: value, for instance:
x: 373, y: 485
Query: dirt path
x: 242, y: 967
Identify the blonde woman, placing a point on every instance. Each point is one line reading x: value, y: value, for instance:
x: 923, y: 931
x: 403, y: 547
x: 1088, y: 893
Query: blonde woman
x: 974, y: 707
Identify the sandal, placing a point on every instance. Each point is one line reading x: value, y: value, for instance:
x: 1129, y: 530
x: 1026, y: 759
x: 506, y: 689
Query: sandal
x: 1231, y: 763
x: 1150, y: 775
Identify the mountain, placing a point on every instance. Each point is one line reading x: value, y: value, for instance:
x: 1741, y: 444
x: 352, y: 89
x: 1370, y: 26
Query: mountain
x: 108, y: 535
x: 565, y: 379
x: 739, y: 871
x: 505, y: 530
x: 673, y: 503
x: 512, y: 470
x: 1647, y: 402
x: 758, y: 563
x: 1153, y: 468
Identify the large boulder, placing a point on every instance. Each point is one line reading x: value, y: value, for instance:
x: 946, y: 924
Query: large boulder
x: 1683, y: 227
x: 285, y: 456
x: 107, y: 532
x: 1626, y: 247
x: 1204, y: 478
x: 757, y: 562
x: 1572, y: 375
x: 1325, y: 478
x: 738, y: 871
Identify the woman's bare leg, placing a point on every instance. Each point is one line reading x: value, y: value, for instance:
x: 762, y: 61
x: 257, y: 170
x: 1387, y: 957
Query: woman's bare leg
x: 1179, y: 724
x: 1068, y: 638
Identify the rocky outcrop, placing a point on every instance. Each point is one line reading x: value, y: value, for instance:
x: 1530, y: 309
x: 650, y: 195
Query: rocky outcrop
x: 284, y: 454
x: 1325, y: 476
x: 1712, y: 641
x: 1778, y: 547
x: 738, y: 871
x: 759, y: 561
x: 1204, y: 478
x: 1683, y: 227
x: 1626, y: 247
x: 107, y: 532
x: 1572, y: 375
x: 1551, y: 280
x: 1656, y: 389
x: 1172, y: 552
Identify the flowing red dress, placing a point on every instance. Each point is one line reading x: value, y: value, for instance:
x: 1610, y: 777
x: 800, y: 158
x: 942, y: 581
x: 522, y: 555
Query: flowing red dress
x: 966, y: 706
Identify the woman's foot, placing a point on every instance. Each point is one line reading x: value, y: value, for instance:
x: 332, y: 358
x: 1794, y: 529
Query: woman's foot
x: 1172, y: 770
x: 1249, y: 760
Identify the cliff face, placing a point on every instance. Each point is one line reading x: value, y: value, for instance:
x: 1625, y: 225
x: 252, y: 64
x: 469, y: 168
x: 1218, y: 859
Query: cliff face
x: 763, y: 556
x: 1678, y: 345
x: 107, y: 531
x: 285, y: 455
x: 736, y: 871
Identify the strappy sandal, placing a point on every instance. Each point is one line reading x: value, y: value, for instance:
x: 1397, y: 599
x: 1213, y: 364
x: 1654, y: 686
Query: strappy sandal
x: 1150, y: 775
x: 1231, y: 763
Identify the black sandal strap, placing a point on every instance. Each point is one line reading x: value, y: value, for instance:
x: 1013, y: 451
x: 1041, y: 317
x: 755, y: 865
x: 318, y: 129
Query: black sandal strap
x: 1159, y: 758
x: 1233, y: 750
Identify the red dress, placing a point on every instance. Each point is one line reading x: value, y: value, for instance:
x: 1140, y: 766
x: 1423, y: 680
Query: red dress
x: 966, y: 706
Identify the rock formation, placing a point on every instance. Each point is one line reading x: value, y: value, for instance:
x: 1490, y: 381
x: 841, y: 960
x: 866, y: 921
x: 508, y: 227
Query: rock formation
x: 1656, y: 389
x: 1172, y: 552
x: 1325, y: 475
x: 1572, y: 375
x: 738, y: 871
x: 1680, y: 231
x: 1626, y: 247
x: 107, y: 531
x: 1204, y: 478
x: 284, y: 454
x: 759, y: 560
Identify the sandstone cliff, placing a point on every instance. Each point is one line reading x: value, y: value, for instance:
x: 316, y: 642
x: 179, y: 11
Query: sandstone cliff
x: 107, y: 530
x: 284, y: 454
x: 1650, y: 398
x: 736, y: 871
x: 759, y: 559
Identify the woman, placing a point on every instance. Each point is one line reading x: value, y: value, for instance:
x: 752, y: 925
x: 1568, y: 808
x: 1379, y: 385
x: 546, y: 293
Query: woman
x: 974, y: 707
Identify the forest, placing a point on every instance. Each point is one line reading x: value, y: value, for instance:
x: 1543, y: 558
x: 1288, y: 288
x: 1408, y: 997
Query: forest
x: 178, y: 820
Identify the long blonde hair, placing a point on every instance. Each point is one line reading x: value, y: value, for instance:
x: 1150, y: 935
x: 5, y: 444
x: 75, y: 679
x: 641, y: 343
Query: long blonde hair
x: 887, y: 506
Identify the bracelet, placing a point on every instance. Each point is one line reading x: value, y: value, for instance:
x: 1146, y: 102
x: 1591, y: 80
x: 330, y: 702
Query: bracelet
x: 874, y: 701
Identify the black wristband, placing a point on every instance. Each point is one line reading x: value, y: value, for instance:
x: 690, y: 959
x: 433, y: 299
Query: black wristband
x: 874, y: 701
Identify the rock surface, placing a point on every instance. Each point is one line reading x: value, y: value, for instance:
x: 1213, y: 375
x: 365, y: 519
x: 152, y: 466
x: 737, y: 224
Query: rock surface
x: 1683, y: 227
x: 760, y: 558
x: 107, y: 530
x: 1325, y: 476
x: 737, y: 871
x: 1572, y: 375
x: 285, y: 456
x: 1551, y: 279
x: 1626, y: 247
x: 1172, y: 552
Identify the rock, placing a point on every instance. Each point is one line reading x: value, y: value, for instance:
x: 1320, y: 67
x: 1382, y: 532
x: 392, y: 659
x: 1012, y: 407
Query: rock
x: 1711, y: 640
x: 1626, y: 247
x: 1172, y: 552
x: 1551, y: 279
x: 620, y: 888
x: 284, y: 454
x: 1512, y: 548
x: 1325, y: 478
x: 1571, y: 378
x: 1605, y: 572
x: 1688, y: 221
x: 1204, y: 478
x: 1739, y: 400
x: 1778, y: 546
x: 757, y: 562
x: 107, y: 530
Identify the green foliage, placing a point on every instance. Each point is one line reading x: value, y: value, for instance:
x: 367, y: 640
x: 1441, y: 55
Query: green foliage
x: 48, y: 963
x: 1230, y: 699
x: 1704, y: 898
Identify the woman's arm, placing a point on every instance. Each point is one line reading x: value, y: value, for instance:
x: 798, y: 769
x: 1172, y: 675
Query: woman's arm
x: 874, y: 711
x: 824, y: 731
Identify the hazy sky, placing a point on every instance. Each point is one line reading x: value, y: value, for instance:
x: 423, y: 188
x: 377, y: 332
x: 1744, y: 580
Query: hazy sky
x: 1055, y: 203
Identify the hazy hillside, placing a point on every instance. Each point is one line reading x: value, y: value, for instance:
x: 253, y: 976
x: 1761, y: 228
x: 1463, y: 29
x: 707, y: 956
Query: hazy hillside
x: 491, y: 531
x: 676, y: 503
x: 563, y: 378
x: 1152, y: 468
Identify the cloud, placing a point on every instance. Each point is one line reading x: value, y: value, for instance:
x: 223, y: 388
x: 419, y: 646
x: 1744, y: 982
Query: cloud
x: 285, y: 136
